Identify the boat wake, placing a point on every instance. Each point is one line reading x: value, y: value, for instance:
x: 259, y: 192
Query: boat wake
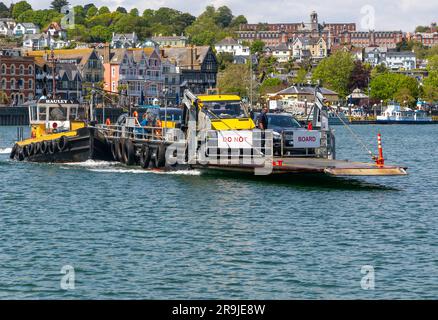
x: 5, y: 150
x: 116, y: 167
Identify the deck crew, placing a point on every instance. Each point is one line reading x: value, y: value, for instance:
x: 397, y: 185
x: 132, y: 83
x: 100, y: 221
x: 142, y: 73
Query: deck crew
x: 262, y: 124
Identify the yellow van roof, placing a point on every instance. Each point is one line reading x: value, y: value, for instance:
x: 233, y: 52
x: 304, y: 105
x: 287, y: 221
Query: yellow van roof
x: 219, y: 97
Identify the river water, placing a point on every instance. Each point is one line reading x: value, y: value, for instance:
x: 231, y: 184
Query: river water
x: 129, y: 233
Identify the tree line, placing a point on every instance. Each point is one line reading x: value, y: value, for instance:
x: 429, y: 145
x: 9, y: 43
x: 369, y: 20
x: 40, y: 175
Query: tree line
x: 96, y: 24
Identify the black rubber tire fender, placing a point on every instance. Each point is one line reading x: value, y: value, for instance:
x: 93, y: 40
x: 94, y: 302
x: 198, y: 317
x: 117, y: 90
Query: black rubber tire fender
x: 20, y: 154
x: 26, y: 150
x: 128, y: 152
x: 160, y: 156
x: 113, y: 150
x: 51, y: 147
x: 145, y: 156
x: 44, y: 148
x: 62, y: 143
x: 37, y: 149
x: 119, y: 149
x: 13, y: 151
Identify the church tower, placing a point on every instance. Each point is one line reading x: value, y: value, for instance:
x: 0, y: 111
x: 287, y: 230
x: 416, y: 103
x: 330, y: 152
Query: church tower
x: 314, y: 21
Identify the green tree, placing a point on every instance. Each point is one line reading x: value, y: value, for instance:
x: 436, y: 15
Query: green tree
x: 4, y: 11
x: 121, y: 10
x: 301, y: 76
x: 430, y: 85
x: 223, y: 16
x: 19, y: 8
x: 224, y: 59
x: 257, y: 46
x: 58, y: 4
x: 91, y: 12
x: 360, y: 76
x: 335, y: 72
x: 134, y: 12
x: 237, y: 21
x: 103, y: 10
x: 271, y: 85
x: 390, y: 86
x: 234, y: 79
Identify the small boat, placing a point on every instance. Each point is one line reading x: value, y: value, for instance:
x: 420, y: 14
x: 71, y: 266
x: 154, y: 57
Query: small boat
x: 60, y: 133
x: 394, y: 113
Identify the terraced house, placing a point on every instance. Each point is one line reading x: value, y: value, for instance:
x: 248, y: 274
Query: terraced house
x: 86, y: 61
x: 17, y: 77
x: 136, y: 72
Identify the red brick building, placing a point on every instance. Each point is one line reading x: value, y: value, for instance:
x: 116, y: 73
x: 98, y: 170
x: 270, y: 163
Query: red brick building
x: 17, y: 77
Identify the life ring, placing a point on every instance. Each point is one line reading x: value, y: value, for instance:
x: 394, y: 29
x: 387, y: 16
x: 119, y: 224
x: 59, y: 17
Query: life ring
x: 145, y: 156
x: 128, y: 152
x: 13, y: 152
x: 62, y: 143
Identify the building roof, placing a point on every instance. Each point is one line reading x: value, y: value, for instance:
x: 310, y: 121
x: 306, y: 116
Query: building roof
x: 186, y: 56
x: 169, y: 38
x: 400, y: 54
x: 81, y: 55
x: 228, y: 41
x: 54, y: 25
x: 292, y: 90
x: 29, y: 25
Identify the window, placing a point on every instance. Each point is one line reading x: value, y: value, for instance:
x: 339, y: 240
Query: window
x: 3, y: 69
x: 30, y: 69
x: 21, y: 84
x: 12, y: 69
x: 30, y: 83
x: 21, y: 70
x: 3, y: 83
x: 12, y: 84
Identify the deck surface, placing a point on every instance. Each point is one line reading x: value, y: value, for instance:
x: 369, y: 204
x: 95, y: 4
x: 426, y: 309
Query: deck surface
x: 317, y: 165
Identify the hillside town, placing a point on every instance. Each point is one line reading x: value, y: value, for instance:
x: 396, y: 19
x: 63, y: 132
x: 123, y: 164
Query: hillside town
x: 257, y: 61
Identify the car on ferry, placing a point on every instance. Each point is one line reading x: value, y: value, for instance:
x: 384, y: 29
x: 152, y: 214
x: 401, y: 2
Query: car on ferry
x: 283, y: 125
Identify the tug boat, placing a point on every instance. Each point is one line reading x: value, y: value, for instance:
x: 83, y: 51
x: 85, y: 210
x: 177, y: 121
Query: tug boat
x: 60, y: 133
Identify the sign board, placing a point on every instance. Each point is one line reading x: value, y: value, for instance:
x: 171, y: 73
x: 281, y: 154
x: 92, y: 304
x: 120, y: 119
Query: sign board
x: 307, y: 139
x: 235, y: 139
x: 273, y: 104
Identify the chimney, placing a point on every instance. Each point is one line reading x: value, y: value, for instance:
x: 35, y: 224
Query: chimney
x: 106, y: 53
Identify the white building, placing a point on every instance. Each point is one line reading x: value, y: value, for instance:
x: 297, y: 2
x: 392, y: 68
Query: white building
x: 281, y: 52
x: 23, y: 28
x: 42, y: 41
x: 230, y: 45
x: 124, y: 40
x: 405, y: 60
x: 375, y: 55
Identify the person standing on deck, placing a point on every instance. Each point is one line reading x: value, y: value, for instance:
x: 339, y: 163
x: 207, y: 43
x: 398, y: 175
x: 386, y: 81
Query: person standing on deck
x: 262, y: 124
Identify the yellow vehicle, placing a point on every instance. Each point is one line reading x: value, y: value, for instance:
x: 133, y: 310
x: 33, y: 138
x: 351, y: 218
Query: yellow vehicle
x: 59, y: 133
x: 226, y: 112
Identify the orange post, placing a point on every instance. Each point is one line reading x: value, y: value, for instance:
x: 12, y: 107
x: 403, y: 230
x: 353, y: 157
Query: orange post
x: 380, y: 161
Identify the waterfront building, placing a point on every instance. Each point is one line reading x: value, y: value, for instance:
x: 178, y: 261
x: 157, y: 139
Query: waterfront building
x: 375, y: 55
x: 172, y: 82
x: 17, y: 77
x: 68, y: 80
x: 23, y: 28
x: 136, y: 72
x: 124, y: 40
x: 170, y: 41
x: 232, y: 46
x: 198, y: 66
x: 404, y: 60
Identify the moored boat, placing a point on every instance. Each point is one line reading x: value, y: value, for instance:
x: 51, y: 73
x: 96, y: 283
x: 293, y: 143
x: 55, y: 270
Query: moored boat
x: 394, y: 113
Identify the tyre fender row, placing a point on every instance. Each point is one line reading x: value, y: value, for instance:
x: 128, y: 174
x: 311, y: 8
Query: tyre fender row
x: 20, y: 153
x: 124, y: 151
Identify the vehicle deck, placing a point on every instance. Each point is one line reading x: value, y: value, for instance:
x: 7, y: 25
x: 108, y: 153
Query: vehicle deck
x: 316, y: 165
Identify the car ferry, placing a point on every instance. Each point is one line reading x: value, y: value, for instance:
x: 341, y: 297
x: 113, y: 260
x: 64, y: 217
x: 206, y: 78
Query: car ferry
x: 60, y: 133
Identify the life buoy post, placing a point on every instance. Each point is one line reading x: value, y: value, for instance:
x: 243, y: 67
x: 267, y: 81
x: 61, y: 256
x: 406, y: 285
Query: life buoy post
x: 380, y: 161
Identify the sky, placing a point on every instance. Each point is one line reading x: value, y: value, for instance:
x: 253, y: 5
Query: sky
x: 367, y: 14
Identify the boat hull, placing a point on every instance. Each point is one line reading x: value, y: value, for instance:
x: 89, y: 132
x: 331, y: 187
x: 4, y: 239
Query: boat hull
x: 88, y: 144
